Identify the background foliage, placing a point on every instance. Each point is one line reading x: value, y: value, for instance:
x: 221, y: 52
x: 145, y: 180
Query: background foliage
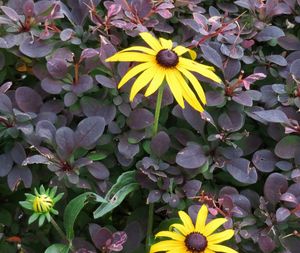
x: 64, y: 123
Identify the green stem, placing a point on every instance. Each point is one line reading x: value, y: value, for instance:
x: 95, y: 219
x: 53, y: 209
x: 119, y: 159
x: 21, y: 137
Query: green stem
x: 154, y: 132
x: 61, y: 233
x: 157, y: 109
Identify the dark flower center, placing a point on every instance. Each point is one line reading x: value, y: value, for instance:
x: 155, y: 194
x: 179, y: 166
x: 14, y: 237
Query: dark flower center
x: 195, y: 242
x: 167, y: 58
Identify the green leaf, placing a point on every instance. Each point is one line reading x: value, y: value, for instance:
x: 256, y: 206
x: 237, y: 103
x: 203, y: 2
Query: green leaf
x: 97, y: 156
x: 73, y: 209
x: 57, y: 248
x: 125, y: 184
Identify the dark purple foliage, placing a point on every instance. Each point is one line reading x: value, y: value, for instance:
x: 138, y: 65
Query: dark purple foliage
x: 64, y: 122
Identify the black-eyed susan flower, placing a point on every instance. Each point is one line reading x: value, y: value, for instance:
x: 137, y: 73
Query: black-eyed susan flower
x: 198, y: 238
x: 41, y: 204
x: 161, y: 62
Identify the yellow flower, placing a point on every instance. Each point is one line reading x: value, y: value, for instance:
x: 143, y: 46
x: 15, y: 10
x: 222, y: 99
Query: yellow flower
x: 187, y: 238
x: 42, y: 204
x: 163, y: 62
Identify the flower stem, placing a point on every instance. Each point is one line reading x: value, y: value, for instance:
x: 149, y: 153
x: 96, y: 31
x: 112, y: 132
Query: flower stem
x: 154, y: 132
x: 61, y: 233
x: 157, y: 109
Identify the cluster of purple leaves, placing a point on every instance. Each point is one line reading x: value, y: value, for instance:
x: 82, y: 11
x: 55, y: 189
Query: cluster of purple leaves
x: 63, y: 122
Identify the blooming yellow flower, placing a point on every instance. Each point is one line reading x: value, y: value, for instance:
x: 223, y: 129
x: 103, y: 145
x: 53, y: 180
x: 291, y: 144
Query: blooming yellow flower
x: 187, y: 238
x: 163, y: 62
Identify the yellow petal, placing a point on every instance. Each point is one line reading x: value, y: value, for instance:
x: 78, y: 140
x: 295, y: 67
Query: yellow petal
x: 220, y: 237
x: 201, y: 219
x: 166, y: 245
x: 208, y: 251
x: 174, y: 87
x: 199, y: 68
x: 133, y: 72
x: 179, y: 250
x: 156, y: 81
x: 166, y: 44
x: 141, y: 82
x: 187, y: 93
x: 194, y: 81
x: 187, y: 221
x: 130, y: 57
x: 180, y: 50
x: 172, y: 235
x: 221, y: 248
x: 213, y: 226
x: 180, y: 228
x: 140, y: 48
x: 151, y: 41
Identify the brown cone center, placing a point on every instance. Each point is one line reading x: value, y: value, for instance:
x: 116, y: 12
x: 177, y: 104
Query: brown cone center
x: 195, y: 242
x: 167, y: 58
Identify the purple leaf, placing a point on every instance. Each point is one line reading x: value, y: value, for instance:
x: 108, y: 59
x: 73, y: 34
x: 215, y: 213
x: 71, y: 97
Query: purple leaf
x: 191, y: 157
x: 28, y: 8
x: 89, y: 130
x: 214, y: 98
x: 99, y: 235
x: 64, y: 138
x: 289, y: 42
x: 28, y: 99
x: 18, y: 153
x: 52, y: 86
x: 193, y: 117
x: 191, y: 188
x: 231, y: 121
x: 295, y: 68
x: 126, y: 149
x: 240, y: 170
x: 154, y: 196
x: 57, y: 68
x: 287, y: 147
x: 274, y: 116
x: 85, y: 83
x: 114, y: 9
x: 70, y: 98
x: 106, y: 82
x: 266, y: 244
x: 46, y: 130
x: 289, y: 197
x: 36, y: 48
x: 98, y: 170
x: 140, y: 118
x: 36, y: 159
x: 212, y: 56
x: 277, y: 59
x: 282, y: 214
x: 242, y: 98
x: 18, y: 174
x: 88, y: 53
x: 5, y: 87
x: 66, y: 34
x: 160, y: 143
x: 275, y: 185
x: 264, y: 160
x: 252, y: 78
x: 234, y: 52
x: 5, y: 104
x: 268, y: 33
x: 10, y: 13
x: 6, y: 164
